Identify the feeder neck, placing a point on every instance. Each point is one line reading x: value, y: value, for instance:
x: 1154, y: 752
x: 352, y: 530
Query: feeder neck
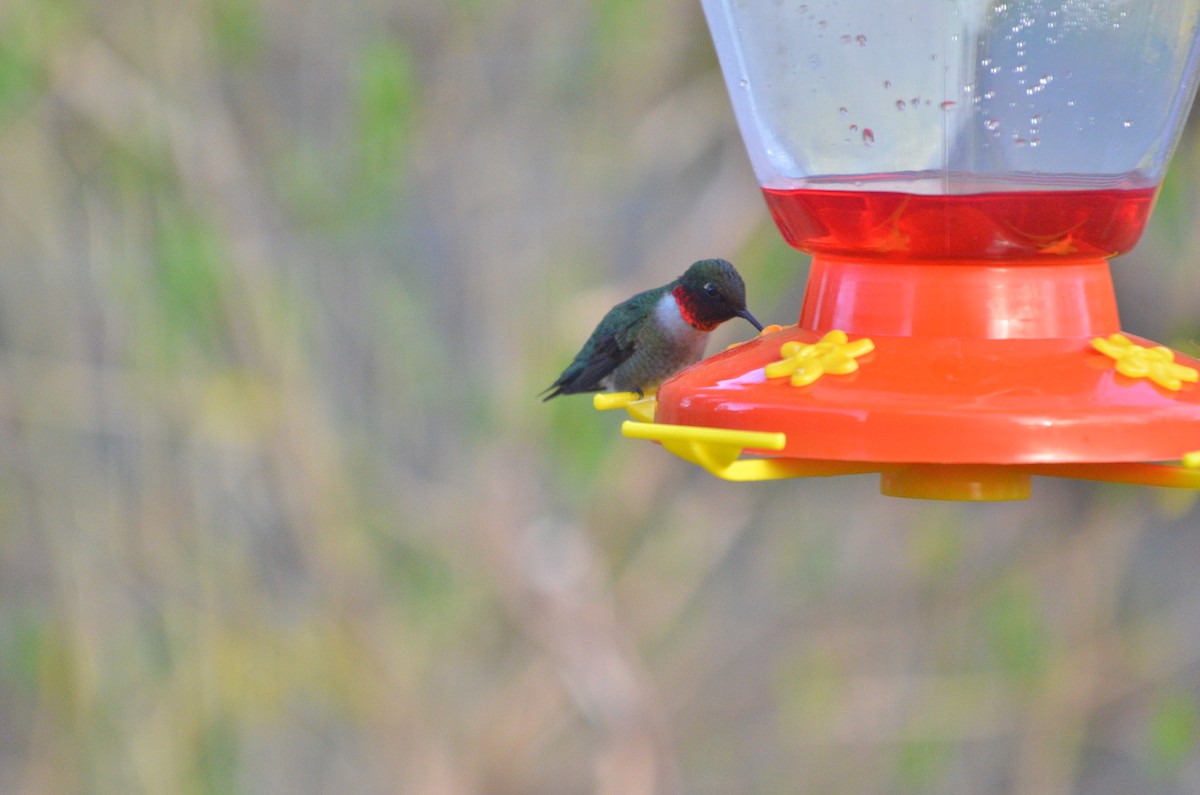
x: 965, y: 299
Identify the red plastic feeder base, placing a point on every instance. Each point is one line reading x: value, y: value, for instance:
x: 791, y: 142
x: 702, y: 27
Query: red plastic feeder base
x: 973, y: 364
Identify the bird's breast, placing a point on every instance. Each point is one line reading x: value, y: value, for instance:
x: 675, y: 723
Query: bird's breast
x: 679, y: 343
x: 669, y: 321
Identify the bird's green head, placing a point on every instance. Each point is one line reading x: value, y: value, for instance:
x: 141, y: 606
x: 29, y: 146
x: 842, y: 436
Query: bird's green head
x: 712, y: 291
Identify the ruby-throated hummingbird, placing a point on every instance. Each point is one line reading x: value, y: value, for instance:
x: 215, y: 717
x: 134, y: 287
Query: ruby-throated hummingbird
x: 645, y: 340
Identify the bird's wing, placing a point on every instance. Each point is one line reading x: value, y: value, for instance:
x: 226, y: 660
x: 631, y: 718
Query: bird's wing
x: 613, y: 342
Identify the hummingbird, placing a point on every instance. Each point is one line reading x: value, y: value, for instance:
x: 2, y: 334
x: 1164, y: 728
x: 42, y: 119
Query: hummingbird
x: 646, y: 339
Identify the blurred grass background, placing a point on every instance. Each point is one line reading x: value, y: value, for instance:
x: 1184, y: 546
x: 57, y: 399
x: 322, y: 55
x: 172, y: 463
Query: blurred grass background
x: 280, y: 512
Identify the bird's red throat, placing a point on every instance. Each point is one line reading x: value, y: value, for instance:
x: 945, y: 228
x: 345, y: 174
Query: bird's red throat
x: 690, y: 308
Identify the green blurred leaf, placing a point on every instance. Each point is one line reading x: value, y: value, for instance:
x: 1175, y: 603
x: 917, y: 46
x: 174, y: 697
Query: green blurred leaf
x: 216, y: 758
x: 53, y: 648
x: 30, y: 32
x: 936, y: 543
x: 619, y: 21
x: 424, y: 581
x: 1016, y: 631
x: 580, y: 439
x: 21, y: 77
x: 385, y: 99
x: 920, y: 763
x: 238, y: 27
x: 189, y: 264
x: 1173, y: 504
x: 809, y: 690
x: 21, y: 644
x: 1173, y: 732
x: 135, y: 168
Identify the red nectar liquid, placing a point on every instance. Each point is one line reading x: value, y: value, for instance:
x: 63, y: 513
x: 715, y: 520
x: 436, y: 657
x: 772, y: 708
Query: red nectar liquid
x: 1008, y: 225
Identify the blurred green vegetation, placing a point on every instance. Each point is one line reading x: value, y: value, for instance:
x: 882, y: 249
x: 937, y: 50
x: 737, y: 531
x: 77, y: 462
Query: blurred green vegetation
x: 1173, y: 732
x: 280, y: 510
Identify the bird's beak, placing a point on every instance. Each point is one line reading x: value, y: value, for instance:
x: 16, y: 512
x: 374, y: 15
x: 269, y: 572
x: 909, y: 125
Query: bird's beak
x: 753, y: 320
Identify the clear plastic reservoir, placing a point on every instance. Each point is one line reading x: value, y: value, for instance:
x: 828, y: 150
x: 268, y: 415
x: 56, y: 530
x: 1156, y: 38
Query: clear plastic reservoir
x: 941, y: 98
x: 963, y: 92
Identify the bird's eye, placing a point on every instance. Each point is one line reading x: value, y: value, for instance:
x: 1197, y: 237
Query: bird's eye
x: 711, y: 289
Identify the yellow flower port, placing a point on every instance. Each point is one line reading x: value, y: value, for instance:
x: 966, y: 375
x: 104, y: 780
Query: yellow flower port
x: 1156, y: 363
x: 833, y: 353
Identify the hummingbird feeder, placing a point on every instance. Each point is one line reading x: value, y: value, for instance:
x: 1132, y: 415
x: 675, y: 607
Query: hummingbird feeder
x: 961, y: 172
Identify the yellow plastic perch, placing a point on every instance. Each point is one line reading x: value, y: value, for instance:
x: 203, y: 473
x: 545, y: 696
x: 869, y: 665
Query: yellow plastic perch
x: 718, y: 450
